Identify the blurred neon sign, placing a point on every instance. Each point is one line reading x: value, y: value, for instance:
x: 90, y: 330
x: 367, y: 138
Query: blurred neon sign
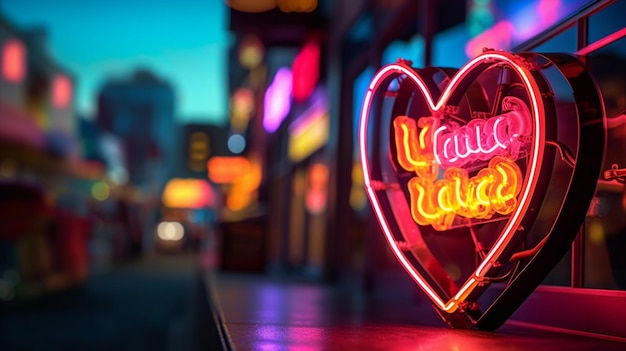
x: 227, y: 169
x: 309, y: 131
x: 514, y: 21
x: 306, y: 71
x: 277, y: 100
x: 188, y: 193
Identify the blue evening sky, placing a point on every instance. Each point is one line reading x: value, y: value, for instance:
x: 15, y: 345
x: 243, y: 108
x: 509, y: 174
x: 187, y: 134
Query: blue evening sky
x: 183, y: 41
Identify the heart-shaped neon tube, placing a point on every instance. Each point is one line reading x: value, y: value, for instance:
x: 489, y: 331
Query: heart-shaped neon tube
x: 533, y: 163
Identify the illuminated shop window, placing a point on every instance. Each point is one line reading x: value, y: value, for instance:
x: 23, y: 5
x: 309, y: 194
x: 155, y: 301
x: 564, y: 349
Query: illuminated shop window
x: 605, y: 228
x: 199, y: 149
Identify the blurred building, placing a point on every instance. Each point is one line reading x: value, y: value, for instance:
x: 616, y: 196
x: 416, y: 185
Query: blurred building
x: 279, y: 104
x: 140, y: 110
x: 136, y: 116
x: 198, y: 143
x: 44, y: 231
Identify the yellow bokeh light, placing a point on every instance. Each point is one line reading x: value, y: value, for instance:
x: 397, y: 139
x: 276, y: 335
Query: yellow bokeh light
x: 297, y: 5
x: 252, y: 5
x: 596, y: 232
x: 100, y: 191
x: 308, y: 135
x: 187, y: 193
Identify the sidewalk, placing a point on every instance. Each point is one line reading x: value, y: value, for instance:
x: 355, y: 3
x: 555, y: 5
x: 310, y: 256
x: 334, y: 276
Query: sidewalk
x: 266, y: 313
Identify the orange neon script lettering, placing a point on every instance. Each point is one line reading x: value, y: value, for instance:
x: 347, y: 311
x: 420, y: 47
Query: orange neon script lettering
x: 412, y: 156
x: 436, y: 202
x: 493, y: 190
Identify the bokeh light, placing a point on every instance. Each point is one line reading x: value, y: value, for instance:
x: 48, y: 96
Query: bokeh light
x: 251, y: 52
x: 100, y: 191
x: 277, y: 100
x: 236, y: 143
x: 171, y: 231
x: 13, y: 61
x: 61, y: 91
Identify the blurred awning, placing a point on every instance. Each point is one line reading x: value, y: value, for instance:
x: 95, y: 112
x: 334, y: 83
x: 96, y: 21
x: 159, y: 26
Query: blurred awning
x: 18, y: 127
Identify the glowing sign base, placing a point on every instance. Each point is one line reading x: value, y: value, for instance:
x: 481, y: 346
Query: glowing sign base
x: 431, y: 159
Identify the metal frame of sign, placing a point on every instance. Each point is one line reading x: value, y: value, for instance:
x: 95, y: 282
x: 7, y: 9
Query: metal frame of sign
x: 559, y: 166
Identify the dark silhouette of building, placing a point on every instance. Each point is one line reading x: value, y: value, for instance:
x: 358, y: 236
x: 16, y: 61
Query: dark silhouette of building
x: 139, y: 111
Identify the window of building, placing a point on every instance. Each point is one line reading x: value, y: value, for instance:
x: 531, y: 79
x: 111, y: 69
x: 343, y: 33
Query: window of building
x: 13, y: 61
x: 605, y: 228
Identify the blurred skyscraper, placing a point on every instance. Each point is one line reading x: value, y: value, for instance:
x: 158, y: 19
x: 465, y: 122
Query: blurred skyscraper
x: 140, y: 111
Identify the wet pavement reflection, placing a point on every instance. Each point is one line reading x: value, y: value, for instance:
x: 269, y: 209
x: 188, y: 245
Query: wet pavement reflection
x: 265, y: 313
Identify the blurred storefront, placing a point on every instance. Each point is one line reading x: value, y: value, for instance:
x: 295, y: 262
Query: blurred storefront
x: 286, y: 131
x: 43, y: 240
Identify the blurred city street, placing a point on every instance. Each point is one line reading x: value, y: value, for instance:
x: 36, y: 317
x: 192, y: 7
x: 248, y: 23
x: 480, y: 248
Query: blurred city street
x: 312, y: 175
x: 148, y: 304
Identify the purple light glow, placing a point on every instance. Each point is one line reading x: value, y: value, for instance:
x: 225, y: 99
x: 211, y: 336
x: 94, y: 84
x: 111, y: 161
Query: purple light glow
x: 277, y: 100
x: 520, y: 21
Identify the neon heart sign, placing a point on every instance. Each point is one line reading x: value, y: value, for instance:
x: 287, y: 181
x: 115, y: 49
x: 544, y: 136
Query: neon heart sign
x: 493, y: 189
x: 469, y: 174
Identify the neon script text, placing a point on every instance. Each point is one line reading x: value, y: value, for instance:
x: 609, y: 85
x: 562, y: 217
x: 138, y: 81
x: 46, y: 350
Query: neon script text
x: 434, y: 201
x: 482, y: 139
x: 493, y: 190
